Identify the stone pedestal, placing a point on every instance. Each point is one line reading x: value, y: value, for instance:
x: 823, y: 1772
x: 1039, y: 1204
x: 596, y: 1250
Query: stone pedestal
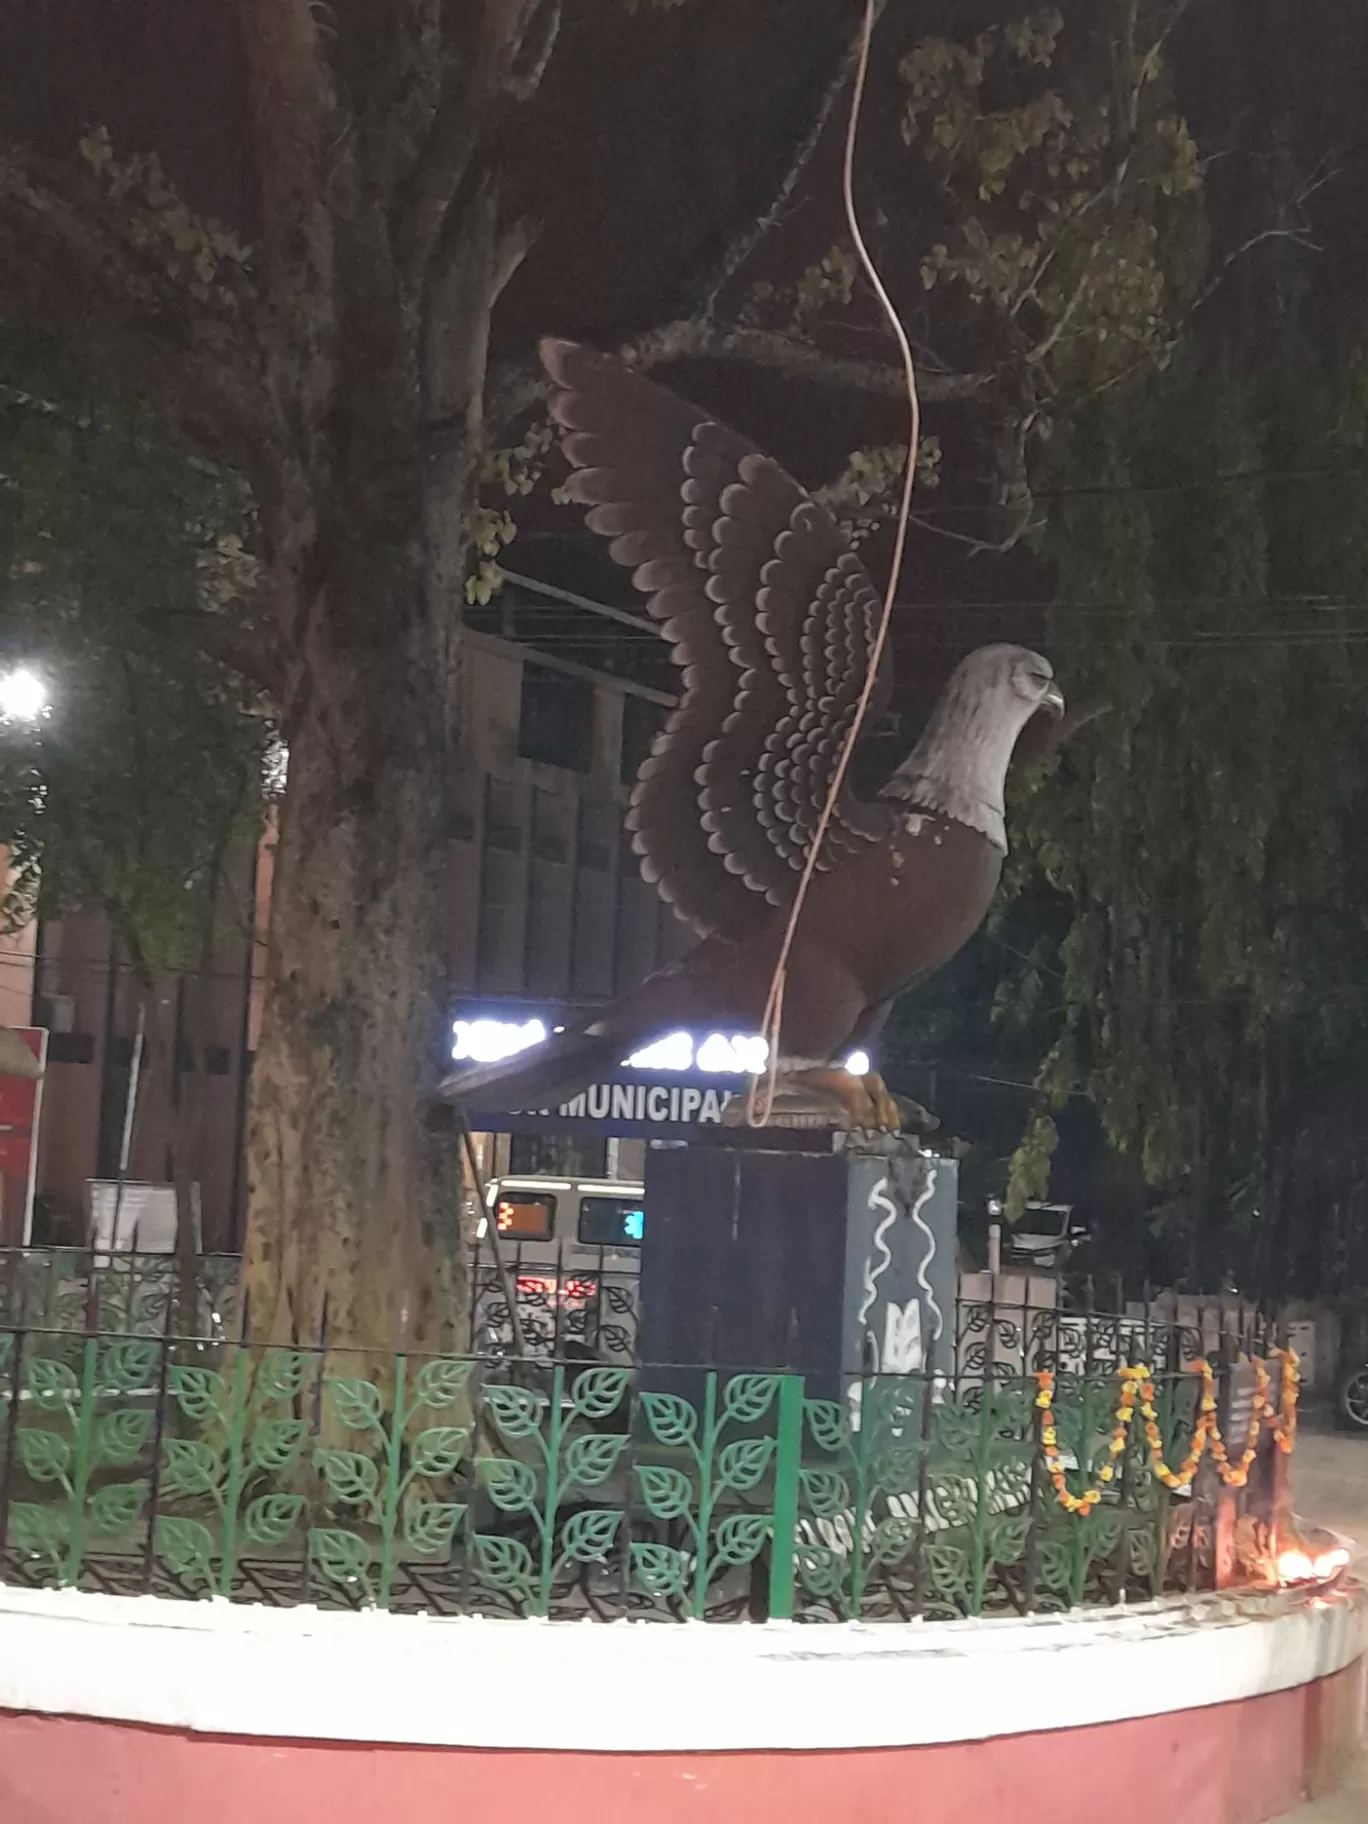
x: 822, y: 1262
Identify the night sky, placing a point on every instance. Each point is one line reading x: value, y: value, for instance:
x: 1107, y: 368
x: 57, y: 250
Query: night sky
x: 632, y: 157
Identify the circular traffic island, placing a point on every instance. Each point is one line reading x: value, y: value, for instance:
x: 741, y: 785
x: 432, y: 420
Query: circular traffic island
x: 1221, y: 1709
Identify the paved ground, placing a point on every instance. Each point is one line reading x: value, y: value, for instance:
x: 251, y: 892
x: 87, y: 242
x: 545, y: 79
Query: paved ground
x: 1331, y: 1486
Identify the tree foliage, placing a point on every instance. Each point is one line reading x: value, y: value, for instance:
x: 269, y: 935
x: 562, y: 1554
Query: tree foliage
x: 129, y: 570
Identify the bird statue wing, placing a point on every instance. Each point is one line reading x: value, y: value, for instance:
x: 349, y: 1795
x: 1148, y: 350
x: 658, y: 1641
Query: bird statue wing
x: 772, y: 620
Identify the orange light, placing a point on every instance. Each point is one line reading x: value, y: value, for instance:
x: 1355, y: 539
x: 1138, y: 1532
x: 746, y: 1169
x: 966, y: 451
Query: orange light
x: 1298, y: 1566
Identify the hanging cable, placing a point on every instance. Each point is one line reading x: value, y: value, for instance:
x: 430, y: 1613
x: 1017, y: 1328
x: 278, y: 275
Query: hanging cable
x: 758, y: 1111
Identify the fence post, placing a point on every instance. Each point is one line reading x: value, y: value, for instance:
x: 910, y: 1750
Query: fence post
x: 788, y: 1456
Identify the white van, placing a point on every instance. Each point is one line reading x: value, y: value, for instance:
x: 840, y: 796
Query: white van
x: 573, y: 1248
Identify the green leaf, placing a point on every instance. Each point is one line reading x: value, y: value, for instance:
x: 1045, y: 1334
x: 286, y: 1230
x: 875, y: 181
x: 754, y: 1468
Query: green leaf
x: 199, y: 1392
x: 672, y: 1420
x: 38, y: 1532
x: 512, y: 1485
x: 190, y: 1468
x: 589, y: 1460
x: 748, y: 1397
x: 892, y: 1539
x: 827, y: 1423
x: 270, y: 1519
x: 52, y: 1384
x: 1006, y: 1538
x: 598, y: 1392
x: 441, y: 1383
x: 277, y: 1443
x: 741, y: 1465
x: 741, y: 1537
x: 947, y: 1570
x: 430, y: 1526
x: 351, y: 1477
x: 821, y: 1570
x: 440, y: 1450
x: 517, y: 1411
x: 668, y: 1493
x: 187, y: 1546
x: 588, y: 1535
x: 121, y: 1437
x: 357, y: 1404
x: 504, y: 1565
x: 116, y: 1507
x: 827, y: 1493
x: 660, y: 1569
x: 129, y: 1366
x: 281, y: 1375
x: 342, y: 1557
x: 44, y: 1455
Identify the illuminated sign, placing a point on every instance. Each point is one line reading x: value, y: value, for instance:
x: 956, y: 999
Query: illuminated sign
x: 658, y: 1104
x: 717, y: 1054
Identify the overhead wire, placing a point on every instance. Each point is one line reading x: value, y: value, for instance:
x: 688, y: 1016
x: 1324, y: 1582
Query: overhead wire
x: 758, y: 1112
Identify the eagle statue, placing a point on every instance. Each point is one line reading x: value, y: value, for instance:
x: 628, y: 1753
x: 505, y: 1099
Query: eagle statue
x: 772, y: 621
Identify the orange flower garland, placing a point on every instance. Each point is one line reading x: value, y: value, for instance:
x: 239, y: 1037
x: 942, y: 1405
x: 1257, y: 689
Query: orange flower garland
x: 1049, y: 1438
x: 1237, y: 1474
x: 1137, y: 1389
x: 1284, y: 1420
x: 1174, y: 1479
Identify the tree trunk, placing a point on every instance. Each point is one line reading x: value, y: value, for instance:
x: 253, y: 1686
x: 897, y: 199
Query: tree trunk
x: 354, y: 1204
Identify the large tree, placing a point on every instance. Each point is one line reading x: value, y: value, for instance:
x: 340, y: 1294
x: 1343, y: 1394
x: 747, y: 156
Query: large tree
x: 340, y: 365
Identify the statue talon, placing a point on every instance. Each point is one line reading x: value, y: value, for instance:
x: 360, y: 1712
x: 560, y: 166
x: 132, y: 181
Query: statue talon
x: 888, y: 1114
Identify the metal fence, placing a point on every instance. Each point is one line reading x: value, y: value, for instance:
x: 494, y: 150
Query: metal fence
x: 189, y: 1468
x: 590, y: 1302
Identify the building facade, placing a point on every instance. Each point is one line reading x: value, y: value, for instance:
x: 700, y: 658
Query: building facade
x: 545, y: 907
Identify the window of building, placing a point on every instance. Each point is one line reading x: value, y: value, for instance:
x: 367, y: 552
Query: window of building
x: 556, y: 719
x: 641, y: 721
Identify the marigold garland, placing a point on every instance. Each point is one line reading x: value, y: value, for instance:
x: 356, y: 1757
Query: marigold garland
x: 1175, y: 1479
x: 1049, y: 1438
x: 1284, y: 1420
x: 1137, y: 1389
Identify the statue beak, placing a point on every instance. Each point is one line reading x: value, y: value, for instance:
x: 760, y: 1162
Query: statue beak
x: 1053, y: 701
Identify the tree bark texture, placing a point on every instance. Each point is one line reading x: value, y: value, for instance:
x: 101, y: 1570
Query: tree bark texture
x: 382, y: 272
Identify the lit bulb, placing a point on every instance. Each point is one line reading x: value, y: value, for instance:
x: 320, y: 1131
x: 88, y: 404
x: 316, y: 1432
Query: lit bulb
x: 858, y: 1063
x: 23, y: 696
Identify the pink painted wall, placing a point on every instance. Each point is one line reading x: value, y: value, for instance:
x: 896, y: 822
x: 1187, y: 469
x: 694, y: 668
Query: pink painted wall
x: 1237, y: 1763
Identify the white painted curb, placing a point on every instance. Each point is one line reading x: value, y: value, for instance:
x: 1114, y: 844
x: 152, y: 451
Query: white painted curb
x: 234, y: 1669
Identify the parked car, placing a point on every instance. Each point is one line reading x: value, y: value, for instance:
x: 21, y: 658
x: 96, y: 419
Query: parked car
x: 573, y: 1249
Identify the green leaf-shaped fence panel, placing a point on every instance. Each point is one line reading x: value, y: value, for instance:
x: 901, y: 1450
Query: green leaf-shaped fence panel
x: 661, y: 1570
x: 121, y: 1437
x: 187, y: 1546
x: 439, y: 1384
x: 430, y: 1526
x: 440, y: 1450
x: 351, y: 1477
x: 512, y: 1485
x: 270, y: 1519
x: 190, y: 1467
x: 592, y: 1459
x: 116, y: 1508
x: 44, y: 1455
x: 589, y: 1535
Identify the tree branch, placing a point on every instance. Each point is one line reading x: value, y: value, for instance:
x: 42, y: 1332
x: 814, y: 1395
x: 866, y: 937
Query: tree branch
x: 489, y: 50
x: 770, y: 191
x: 63, y: 260
x: 696, y: 339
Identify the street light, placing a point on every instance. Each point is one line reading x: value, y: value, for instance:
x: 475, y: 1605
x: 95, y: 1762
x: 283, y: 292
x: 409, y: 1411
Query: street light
x: 23, y: 696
